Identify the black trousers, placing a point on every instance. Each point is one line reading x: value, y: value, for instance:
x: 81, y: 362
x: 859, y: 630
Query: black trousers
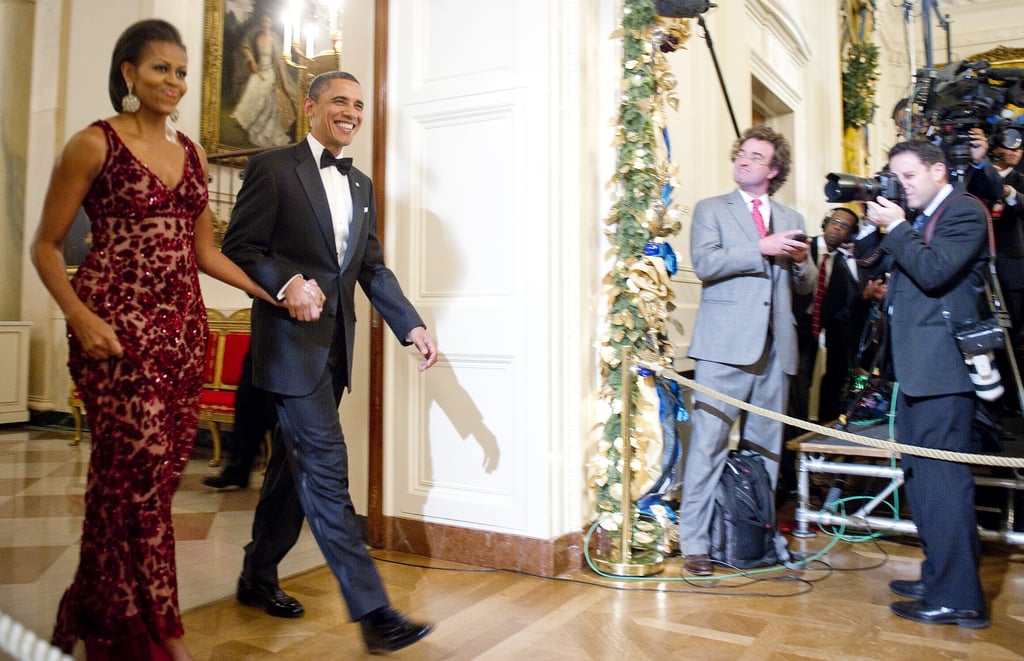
x: 308, y: 475
x: 255, y: 414
x: 941, y: 497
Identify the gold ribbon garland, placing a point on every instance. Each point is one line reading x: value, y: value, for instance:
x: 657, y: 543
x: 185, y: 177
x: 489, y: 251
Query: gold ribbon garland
x: 637, y: 288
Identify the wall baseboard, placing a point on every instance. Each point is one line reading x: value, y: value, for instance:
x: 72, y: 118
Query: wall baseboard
x: 483, y: 548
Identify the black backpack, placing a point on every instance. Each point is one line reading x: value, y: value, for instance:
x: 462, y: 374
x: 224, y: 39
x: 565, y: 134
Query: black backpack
x: 743, y: 526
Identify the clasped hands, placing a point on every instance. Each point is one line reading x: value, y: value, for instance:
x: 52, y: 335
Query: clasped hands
x: 304, y: 299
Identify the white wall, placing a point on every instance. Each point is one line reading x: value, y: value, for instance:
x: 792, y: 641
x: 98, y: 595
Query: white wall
x: 16, y: 20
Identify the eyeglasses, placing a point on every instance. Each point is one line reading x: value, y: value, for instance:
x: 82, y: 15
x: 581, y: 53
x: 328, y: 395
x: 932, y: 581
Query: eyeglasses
x: 840, y: 223
x: 753, y: 157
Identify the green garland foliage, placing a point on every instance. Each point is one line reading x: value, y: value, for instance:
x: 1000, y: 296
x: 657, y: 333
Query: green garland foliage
x: 636, y: 316
x: 860, y: 75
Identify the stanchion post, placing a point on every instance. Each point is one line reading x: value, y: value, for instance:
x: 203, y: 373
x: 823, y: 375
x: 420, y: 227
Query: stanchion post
x: 628, y: 563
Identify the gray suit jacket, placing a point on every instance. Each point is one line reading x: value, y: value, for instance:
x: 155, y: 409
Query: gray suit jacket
x: 740, y: 287
x: 281, y: 226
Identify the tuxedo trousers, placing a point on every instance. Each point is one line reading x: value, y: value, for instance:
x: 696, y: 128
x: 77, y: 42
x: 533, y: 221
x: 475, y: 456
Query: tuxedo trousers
x: 762, y: 384
x: 308, y: 474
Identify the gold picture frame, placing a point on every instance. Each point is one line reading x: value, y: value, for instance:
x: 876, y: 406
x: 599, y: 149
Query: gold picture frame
x: 1000, y: 56
x: 226, y: 35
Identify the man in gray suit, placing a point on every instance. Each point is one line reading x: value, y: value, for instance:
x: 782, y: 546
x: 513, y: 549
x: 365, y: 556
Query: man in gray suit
x: 304, y: 226
x: 746, y: 251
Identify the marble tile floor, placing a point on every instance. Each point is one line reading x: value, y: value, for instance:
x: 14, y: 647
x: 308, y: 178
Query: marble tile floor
x: 42, y: 483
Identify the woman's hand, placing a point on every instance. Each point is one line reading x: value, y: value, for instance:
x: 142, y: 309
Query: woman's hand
x: 97, y: 337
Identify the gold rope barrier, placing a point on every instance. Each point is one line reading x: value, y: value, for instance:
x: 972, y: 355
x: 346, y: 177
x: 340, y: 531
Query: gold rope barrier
x: 890, y: 445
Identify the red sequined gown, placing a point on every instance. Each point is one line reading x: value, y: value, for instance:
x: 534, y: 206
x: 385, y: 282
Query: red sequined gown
x: 140, y: 276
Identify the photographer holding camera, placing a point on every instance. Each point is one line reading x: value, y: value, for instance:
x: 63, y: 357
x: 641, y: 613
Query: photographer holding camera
x: 980, y: 178
x: 1008, y: 227
x: 937, y: 283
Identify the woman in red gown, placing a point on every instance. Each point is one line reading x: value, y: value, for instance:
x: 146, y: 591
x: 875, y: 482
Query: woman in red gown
x: 137, y: 339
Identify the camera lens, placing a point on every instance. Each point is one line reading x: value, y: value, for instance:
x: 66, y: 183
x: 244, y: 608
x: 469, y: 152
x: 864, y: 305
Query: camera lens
x: 1009, y: 138
x: 841, y: 187
x: 985, y: 376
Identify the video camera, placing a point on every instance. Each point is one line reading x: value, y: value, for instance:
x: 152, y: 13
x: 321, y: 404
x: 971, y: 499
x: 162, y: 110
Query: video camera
x: 949, y: 102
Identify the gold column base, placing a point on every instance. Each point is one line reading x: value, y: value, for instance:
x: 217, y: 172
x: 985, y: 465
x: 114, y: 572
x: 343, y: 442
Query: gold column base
x: 643, y: 563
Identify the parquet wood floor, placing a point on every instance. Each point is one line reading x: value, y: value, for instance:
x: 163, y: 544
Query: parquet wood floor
x: 838, y: 609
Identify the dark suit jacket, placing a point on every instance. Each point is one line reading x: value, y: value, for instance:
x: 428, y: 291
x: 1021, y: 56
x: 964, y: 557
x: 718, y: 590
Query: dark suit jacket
x: 933, y: 288
x: 281, y: 226
x: 984, y: 181
x: 842, y: 303
x: 1008, y: 227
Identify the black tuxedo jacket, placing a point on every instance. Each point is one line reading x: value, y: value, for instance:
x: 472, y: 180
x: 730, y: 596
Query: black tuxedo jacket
x: 281, y: 226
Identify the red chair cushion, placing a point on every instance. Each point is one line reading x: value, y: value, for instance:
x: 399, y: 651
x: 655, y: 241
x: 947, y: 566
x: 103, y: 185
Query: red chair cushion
x: 235, y: 347
x: 218, y: 401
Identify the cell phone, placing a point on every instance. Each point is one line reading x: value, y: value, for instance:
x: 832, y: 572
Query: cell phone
x: 801, y: 237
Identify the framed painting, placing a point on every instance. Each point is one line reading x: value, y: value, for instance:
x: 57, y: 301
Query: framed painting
x: 250, y: 92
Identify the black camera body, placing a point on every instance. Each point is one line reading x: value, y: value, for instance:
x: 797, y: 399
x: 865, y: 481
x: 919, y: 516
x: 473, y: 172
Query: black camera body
x: 840, y: 187
x: 974, y: 337
x: 978, y: 342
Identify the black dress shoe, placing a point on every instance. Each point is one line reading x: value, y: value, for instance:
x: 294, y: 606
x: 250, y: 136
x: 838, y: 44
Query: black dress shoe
x: 386, y: 630
x: 912, y: 589
x: 271, y: 599
x: 919, y: 611
x: 225, y: 481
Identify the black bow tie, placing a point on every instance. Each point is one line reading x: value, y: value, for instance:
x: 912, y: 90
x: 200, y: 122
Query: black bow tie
x: 343, y: 164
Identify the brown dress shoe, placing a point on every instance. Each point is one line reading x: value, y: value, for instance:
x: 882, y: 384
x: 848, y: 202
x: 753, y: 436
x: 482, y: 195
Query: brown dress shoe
x: 699, y: 565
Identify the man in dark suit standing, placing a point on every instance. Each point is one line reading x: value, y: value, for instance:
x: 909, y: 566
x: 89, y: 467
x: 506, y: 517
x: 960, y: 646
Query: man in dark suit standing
x: 839, y: 319
x: 1008, y: 227
x: 936, y: 283
x: 304, y: 226
x: 745, y: 250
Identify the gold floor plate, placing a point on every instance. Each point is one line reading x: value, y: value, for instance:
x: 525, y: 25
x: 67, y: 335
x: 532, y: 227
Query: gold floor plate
x: 643, y: 563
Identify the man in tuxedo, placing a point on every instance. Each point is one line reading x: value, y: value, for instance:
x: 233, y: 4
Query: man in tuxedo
x: 937, y: 267
x: 746, y: 251
x: 304, y: 226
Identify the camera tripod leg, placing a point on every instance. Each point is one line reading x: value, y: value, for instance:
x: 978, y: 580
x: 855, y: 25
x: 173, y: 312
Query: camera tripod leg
x: 996, y: 303
x: 1011, y: 356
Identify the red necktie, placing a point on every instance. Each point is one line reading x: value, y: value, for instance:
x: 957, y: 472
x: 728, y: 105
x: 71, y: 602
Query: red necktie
x: 819, y: 296
x: 758, y: 218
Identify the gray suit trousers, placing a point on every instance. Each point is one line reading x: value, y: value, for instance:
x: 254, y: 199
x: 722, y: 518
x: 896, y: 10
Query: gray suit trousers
x: 762, y: 384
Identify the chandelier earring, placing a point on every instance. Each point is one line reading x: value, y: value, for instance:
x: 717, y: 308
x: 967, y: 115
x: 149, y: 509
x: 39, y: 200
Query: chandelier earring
x: 175, y: 115
x: 130, y: 102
